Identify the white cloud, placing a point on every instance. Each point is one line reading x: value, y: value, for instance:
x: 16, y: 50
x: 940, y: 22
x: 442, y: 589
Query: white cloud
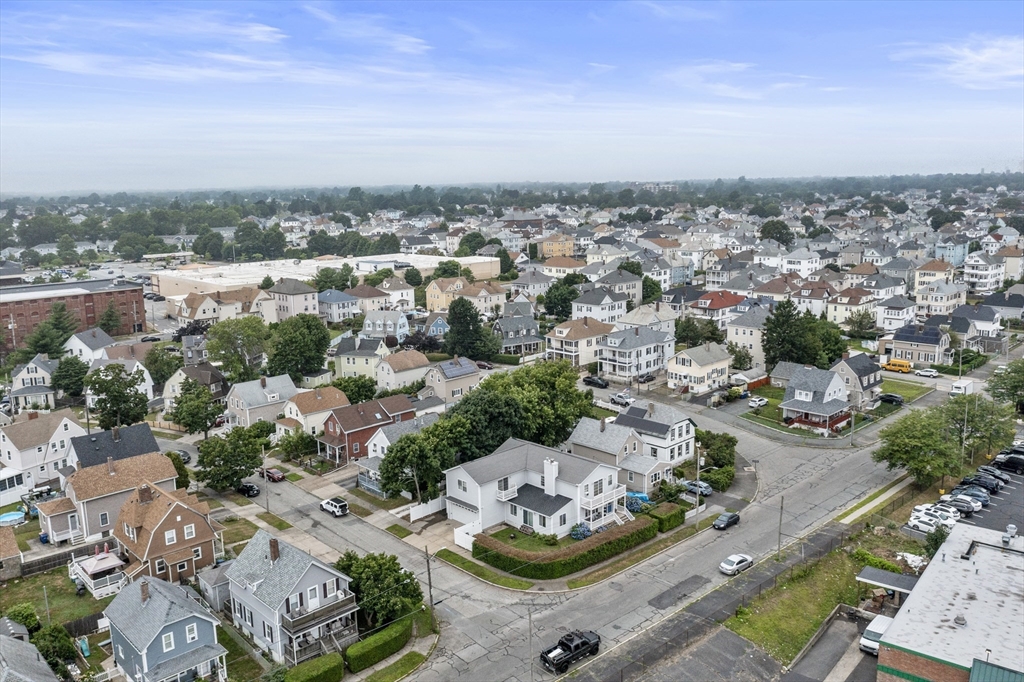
x: 978, y: 63
x: 598, y: 68
x: 708, y: 76
x: 675, y: 11
x: 368, y: 28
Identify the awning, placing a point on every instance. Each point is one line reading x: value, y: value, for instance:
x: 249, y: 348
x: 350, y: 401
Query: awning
x: 896, y: 582
x: 465, y: 505
x: 100, y: 563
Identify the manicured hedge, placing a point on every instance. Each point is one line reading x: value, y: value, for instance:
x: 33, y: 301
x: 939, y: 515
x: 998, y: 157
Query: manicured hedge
x: 438, y: 357
x: 570, y: 559
x: 719, y: 479
x: 668, y: 515
x: 329, y: 668
x: 505, y: 359
x: 379, y: 645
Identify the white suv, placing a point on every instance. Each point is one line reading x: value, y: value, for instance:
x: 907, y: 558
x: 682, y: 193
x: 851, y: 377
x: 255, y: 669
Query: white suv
x: 335, y: 506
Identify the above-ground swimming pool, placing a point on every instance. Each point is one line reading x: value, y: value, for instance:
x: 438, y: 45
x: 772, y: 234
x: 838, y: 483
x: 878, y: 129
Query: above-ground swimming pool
x: 12, y: 518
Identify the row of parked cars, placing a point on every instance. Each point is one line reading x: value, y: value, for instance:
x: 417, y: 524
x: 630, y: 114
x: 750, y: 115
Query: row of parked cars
x: 972, y: 494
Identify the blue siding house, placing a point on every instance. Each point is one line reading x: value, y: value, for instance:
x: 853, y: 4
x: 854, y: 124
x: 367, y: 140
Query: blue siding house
x: 160, y: 631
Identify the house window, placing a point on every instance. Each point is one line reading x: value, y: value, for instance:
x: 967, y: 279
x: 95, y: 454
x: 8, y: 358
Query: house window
x: 191, y: 632
x: 561, y: 520
x: 634, y: 446
x: 190, y: 531
x: 197, y: 552
x: 355, y: 447
x: 655, y: 477
x: 183, y: 566
x: 104, y: 519
x: 654, y: 452
x: 170, y: 537
x: 542, y: 521
x: 513, y: 510
x: 168, y: 641
x: 462, y: 485
x: 629, y: 476
x: 161, y: 566
x: 268, y: 632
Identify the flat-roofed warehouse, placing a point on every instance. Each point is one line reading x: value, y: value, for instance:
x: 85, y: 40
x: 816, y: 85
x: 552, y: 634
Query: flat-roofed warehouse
x: 205, y: 279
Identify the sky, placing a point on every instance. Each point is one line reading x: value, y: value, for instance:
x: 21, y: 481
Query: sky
x: 133, y: 96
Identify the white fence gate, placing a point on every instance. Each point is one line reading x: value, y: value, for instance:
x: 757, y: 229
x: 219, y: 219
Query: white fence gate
x: 418, y: 511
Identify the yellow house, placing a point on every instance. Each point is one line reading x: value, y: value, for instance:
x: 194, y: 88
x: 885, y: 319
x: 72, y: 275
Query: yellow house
x: 441, y: 292
x: 932, y: 272
x: 557, y: 245
x: 849, y: 301
x: 354, y: 357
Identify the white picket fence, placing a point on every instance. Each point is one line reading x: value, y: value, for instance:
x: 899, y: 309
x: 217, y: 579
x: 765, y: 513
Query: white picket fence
x: 418, y: 511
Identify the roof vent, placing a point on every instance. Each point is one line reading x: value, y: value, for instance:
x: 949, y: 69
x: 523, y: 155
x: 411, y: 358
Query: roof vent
x: 960, y: 620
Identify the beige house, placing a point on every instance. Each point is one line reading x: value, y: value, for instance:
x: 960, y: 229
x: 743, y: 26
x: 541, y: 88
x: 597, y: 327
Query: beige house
x: 370, y: 298
x: 354, y: 356
x: 577, y: 340
x: 931, y: 273
x: 484, y: 296
x: 400, y: 369
x: 452, y: 379
x: 308, y: 410
x: 292, y: 297
x: 746, y: 331
x: 850, y: 301
x: 1013, y: 262
x: 560, y: 266
x: 224, y: 305
x: 701, y: 368
x: 941, y: 299
x: 441, y: 292
x: 620, y: 446
x: 919, y: 344
x: 557, y: 245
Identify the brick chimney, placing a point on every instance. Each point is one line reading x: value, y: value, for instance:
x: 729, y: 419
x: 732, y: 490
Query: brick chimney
x: 650, y: 409
x: 275, y: 550
x: 602, y: 424
x: 110, y: 466
x: 263, y: 382
x: 115, y: 432
x: 144, y: 591
x: 145, y: 494
x: 846, y: 355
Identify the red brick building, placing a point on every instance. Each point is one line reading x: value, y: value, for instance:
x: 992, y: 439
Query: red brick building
x: 348, y: 428
x: 27, y: 306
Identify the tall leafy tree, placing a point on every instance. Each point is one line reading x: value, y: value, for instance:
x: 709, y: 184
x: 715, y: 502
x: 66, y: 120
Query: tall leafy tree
x: 470, y: 244
x: 375, y: 278
x: 225, y: 461
x: 110, y: 320
x: 688, y: 332
x: 413, y: 277
x: 1009, y: 386
x: 558, y: 300
x: 632, y: 266
x: 447, y: 268
x: 182, y: 480
x: 788, y: 337
x: 267, y: 282
x: 505, y: 261
x: 465, y: 329
x: 239, y: 345
x: 67, y: 250
x: 651, y: 290
x: 861, y: 322
x: 777, y: 230
x: 300, y: 346
x: 978, y: 425
x: 119, y: 402
x: 357, y: 389
x: 919, y: 442
x: 741, y: 358
x: 384, y: 590
x: 162, y: 365
x: 195, y: 409
x: 70, y: 376
x: 828, y: 338
x: 493, y: 418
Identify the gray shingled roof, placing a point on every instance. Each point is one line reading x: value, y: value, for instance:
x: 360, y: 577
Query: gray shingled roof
x: 94, y: 338
x: 707, y: 354
x: 1002, y: 299
x: 901, y: 302
x: 914, y: 333
x: 254, y: 395
x: 981, y: 313
x: 519, y: 455
x: 395, y: 431
x: 141, y: 623
x: 859, y: 364
x: 657, y: 423
x: 598, y: 296
x: 639, y: 464
x: 20, y: 662
x: 535, y: 499
x: 132, y: 441
x: 273, y: 583
x: 753, y: 318
x: 637, y: 337
x: 291, y: 287
x: 619, y: 277
x: 809, y: 379
x: 588, y: 433
x: 185, y: 662
x: 515, y: 323
x: 334, y: 296
x: 785, y: 369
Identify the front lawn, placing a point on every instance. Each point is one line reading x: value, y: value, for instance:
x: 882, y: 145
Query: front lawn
x: 25, y: 532
x: 237, y: 530
x: 211, y: 502
x: 529, y: 543
x: 65, y: 605
x: 273, y: 520
x: 240, y: 500
x: 390, y: 503
x: 910, y: 390
x: 482, y: 572
x: 293, y: 476
x: 241, y: 665
x: 770, y: 392
x: 601, y: 413
x: 399, y: 669
x: 398, y: 531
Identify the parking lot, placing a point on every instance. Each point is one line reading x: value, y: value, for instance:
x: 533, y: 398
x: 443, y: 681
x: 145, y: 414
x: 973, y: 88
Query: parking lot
x: 1005, y: 508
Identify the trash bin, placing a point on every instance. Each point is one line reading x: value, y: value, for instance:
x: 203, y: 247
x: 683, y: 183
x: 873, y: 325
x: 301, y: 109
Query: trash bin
x: 44, y: 538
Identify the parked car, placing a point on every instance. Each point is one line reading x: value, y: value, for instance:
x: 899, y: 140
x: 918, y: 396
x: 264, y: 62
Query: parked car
x: 1001, y: 369
x: 891, y: 398
x: 335, y: 506
x: 937, y: 507
x: 596, y: 382
x: 959, y: 501
x: 962, y: 507
x: 936, y: 518
x: 622, y: 399
x: 922, y: 524
x: 725, y: 520
x: 484, y: 365
x: 570, y: 648
x: 158, y: 298
x: 980, y: 494
x: 272, y: 474
x: 185, y: 457
x: 248, y: 489
x: 221, y: 421
x: 645, y: 379
x: 930, y: 373
x: 698, y: 487
x: 994, y: 473
x: 736, y: 563
x: 151, y: 339
x: 1014, y: 463
x: 757, y: 401
x: 990, y: 484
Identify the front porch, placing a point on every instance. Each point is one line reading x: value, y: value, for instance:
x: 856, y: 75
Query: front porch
x: 819, y: 423
x: 309, y: 633
x: 368, y: 476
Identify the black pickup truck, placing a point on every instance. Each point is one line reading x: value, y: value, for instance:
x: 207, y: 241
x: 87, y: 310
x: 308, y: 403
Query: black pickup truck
x: 570, y: 648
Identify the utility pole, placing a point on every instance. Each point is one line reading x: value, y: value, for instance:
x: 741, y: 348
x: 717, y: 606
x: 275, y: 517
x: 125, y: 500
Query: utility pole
x: 263, y: 449
x: 778, y: 552
x: 529, y: 627
x: 430, y: 585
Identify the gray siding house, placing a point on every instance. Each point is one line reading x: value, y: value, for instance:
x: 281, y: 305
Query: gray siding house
x: 260, y: 400
x: 160, y: 631
x: 291, y: 604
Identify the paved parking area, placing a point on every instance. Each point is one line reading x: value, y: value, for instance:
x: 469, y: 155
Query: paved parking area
x: 1005, y: 508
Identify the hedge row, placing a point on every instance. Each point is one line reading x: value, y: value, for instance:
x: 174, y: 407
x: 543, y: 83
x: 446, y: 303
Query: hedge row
x: 379, y: 645
x: 868, y: 559
x: 438, y: 357
x: 668, y: 515
x: 329, y: 668
x: 719, y: 479
x: 967, y: 366
x: 570, y: 559
x: 505, y: 359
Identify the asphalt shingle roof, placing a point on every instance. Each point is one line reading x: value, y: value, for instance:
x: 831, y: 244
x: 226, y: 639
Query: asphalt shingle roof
x: 132, y: 441
x: 519, y: 455
x: 535, y: 499
x: 94, y: 338
x: 141, y: 623
x: 21, y: 662
x: 637, y: 337
x: 291, y: 287
x: 254, y: 394
x: 612, y: 438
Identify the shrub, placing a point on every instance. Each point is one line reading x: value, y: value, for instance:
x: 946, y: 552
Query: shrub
x: 719, y: 479
x: 379, y: 645
x: 501, y: 359
x: 668, y: 515
x: 720, y: 448
x: 438, y: 357
x: 634, y: 505
x: 329, y: 668
x: 549, y: 539
x: 868, y: 559
x: 562, y: 562
x: 24, y: 614
x: 580, y: 531
x: 933, y: 541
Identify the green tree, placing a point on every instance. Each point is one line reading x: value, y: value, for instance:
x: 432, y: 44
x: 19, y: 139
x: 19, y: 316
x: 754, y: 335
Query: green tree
x: 465, y: 329
x: 25, y: 614
x: 934, y: 539
x: 978, y: 425
x: 531, y: 251
x: 505, y: 261
x: 195, y: 409
x: 383, y: 589
x: 632, y: 266
x: 339, y: 279
x: 787, y: 337
x: 493, y: 418
x: 558, y: 300
x: 375, y: 278
x: 225, y: 461
x: 300, y: 346
x: 56, y: 646
x: 920, y: 443
x: 43, y: 339
x: 297, y: 443
x: 182, y: 480
x: 447, y: 268
x: 162, y: 365
x: 777, y: 230
x: 1009, y: 386
x: 62, y: 321
x: 239, y: 345
x: 70, y: 376
x: 688, y: 332
x: 574, y: 278
x: 741, y: 358
x: 471, y: 243
x: 828, y: 338
x: 110, y: 320
x: 267, y: 282
x: 119, y: 402
x: 860, y: 323
x: 67, y: 250
x: 651, y: 290
x: 357, y: 389
x: 410, y: 465
x: 413, y: 277
x: 720, y: 448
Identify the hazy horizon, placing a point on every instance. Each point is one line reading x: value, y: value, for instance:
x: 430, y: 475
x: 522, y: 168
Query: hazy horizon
x: 162, y: 97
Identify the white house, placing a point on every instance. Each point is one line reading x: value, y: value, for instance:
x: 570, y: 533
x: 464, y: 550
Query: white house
x: 400, y: 369
x: 601, y: 304
x: 380, y: 324
x: 31, y: 383
x: 668, y: 434
x: 88, y: 345
x: 983, y: 273
x: 701, y: 368
x: 336, y: 306
x: 308, y: 410
x: 37, y: 445
x: 894, y: 312
x: 130, y: 366
x: 630, y: 353
x: 802, y: 261
x: 400, y: 294
x: 525, y: 484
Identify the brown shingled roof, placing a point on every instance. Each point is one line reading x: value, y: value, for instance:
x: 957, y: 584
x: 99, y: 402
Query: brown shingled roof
x: 320, y: 400
x: 61, y: 505
x: 864, y: 268
x: 365, y: 291
x: 145, y: 517
x: 563, y: 262
x: 372, y: 412
x: 8, y: 543
x: 936, y: 265
x: 406, y: 360
x: 584, y: 328
x: 26, y: 433
x: 128, y: 473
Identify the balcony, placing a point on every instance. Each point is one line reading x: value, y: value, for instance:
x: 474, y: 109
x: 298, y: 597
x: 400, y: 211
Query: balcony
x: 304, y: 618
x: 608, y: 497
x: 306, y: 647
x: 509, y: 493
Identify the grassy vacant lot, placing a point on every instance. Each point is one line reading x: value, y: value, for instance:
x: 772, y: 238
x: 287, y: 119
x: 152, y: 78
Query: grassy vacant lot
x: 390, y: 503
x: 274, y: 520
x: 360, y: 511
x: 241, y: 666
x: 910, y: 390
x: 60, y: 592
x: 399, y: 531
x: 529, y: 543
x: 238, y: 530
x: 482, y: 572
x: 399, y: 669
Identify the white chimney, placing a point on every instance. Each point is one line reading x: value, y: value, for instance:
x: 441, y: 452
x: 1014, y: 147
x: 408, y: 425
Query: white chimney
x: 550, y: 476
